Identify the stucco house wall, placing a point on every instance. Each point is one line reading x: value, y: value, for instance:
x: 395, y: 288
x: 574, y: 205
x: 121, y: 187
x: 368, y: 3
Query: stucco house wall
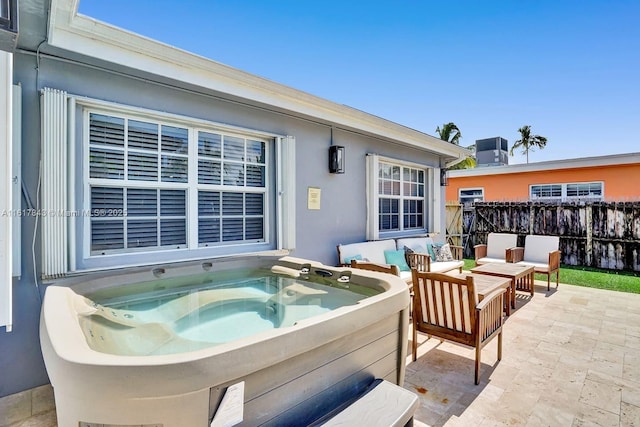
x: 39, y: 63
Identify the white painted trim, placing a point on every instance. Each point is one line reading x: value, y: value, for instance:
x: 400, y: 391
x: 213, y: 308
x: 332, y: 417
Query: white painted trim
x: 16, y: 180
x: 78, y: 33
x: 437, y: 208
x: 123, y: 110
x: 286, y: 171
x: 71, y: 182
x: 6, y: 201
x: 372, y: 165
x: 584, y: 162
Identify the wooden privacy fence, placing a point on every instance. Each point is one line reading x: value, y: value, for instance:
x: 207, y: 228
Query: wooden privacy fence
x: 594, y: 234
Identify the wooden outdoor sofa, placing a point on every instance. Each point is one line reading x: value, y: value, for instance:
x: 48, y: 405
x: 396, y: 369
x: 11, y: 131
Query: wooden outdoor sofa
x: 398, y: 256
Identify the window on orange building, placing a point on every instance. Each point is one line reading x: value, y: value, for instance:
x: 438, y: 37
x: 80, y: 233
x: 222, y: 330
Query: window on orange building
x: 467, y: 196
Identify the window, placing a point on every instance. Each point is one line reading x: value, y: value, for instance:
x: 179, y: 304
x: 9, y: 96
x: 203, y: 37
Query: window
x: 397, y: 197
x: 551, y: 191
x: 569, y: 191
x: 141, y: 179
x: 8, y: 15
x: 468, y: 196
x: 587, y: 190
x: 131, y: 186
x: 400, y: 197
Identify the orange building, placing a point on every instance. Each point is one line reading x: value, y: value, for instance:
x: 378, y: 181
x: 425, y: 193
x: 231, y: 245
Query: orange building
x: 611, y: 178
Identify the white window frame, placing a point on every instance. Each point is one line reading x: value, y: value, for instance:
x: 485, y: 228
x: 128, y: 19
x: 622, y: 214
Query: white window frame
x: 588, y: 196
x: 6, y: 199
x: 474, y: 197
x: 563, y: 197
x: 191, y: 187
x: 432, y: 198
x: 279, y: 212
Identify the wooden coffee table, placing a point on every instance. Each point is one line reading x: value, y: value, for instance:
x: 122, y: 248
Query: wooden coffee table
x: 485, y: 284
x: 521, y: 276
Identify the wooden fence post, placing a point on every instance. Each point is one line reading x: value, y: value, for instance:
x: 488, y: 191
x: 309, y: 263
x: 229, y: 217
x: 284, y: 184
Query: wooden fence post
x: 588, y: 248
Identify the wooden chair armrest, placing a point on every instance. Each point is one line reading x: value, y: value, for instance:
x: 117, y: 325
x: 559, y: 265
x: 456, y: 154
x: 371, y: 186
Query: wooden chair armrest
x: 480, y: 251
x: 488, y: 300
x: 420, y: 262
x: 554, y: 260
x: 514, y: 254
x: 372, y: 266
x: 457, y: 252
x: 489, y: 315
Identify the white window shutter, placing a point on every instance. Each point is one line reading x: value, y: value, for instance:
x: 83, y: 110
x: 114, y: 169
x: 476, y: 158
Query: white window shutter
x: 6, y: 142
x: 54, y: 183
x: 373, y: 232
x: 286, y: 189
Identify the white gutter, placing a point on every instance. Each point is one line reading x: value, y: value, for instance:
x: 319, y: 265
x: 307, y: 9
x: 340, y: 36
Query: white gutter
x: 78, y: 33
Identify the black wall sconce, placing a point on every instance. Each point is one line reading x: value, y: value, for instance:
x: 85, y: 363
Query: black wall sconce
x: 336, y: 159
x: 444, y: 180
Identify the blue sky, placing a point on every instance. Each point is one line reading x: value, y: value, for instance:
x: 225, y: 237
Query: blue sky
x: 568, y: 68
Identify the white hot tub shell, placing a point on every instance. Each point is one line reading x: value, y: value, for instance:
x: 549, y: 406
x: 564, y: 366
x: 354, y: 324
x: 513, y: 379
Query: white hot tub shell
x: 286, y: 376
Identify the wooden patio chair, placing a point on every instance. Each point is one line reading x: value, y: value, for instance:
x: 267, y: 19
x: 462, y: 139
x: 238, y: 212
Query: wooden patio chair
x: 446, y: 307
x: 497, y: 249
x: 542, y: 253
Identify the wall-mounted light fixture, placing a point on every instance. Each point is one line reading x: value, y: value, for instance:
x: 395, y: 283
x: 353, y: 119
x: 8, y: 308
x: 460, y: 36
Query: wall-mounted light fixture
x: 336, y: 159
x: 336, y: 156
x: 444, y: 180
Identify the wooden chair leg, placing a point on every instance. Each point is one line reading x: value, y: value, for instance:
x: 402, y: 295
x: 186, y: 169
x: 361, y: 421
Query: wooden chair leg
x: 548, y: 281
x: 478, y: 352
x: 500, y: 345
x: 557, y: 278
x: 414, y: 343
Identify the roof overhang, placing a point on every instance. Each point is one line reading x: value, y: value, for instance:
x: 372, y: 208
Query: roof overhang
x: 583, y: 162
x: 86, y: 36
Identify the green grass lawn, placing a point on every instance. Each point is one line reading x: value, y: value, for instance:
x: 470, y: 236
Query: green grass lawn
x: 589, y: 277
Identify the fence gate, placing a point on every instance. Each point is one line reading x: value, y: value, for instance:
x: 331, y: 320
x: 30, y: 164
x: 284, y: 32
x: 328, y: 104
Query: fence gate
x: 454, y: 223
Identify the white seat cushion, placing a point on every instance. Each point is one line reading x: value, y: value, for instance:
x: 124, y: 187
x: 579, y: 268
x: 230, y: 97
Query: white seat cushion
x: 537, y: 248
x: 538, y: 266
x: 406, y: 276
x: 414, y: 242
x: 370, y: 251
x: 487, y: 260
x: 498, y: 243
x: 444, y: 266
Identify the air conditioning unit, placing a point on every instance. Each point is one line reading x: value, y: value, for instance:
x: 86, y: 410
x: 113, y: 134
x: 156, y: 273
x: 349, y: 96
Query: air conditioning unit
x: 8, y: 25
x: 492, y: 152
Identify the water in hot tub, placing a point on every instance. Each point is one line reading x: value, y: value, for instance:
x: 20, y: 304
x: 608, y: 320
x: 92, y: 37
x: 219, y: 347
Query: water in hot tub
x: 171, y: 319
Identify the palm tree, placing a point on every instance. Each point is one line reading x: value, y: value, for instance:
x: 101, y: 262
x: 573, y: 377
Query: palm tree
x: 452, y: 134
x: 449, y: 133
x: 528, y: 142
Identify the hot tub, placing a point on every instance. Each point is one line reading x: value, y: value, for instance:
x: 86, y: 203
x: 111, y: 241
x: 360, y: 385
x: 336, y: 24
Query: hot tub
x: 251, y: 341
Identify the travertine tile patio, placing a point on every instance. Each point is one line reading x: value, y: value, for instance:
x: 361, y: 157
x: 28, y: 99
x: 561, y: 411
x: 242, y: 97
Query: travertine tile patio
x: 571, y: 357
